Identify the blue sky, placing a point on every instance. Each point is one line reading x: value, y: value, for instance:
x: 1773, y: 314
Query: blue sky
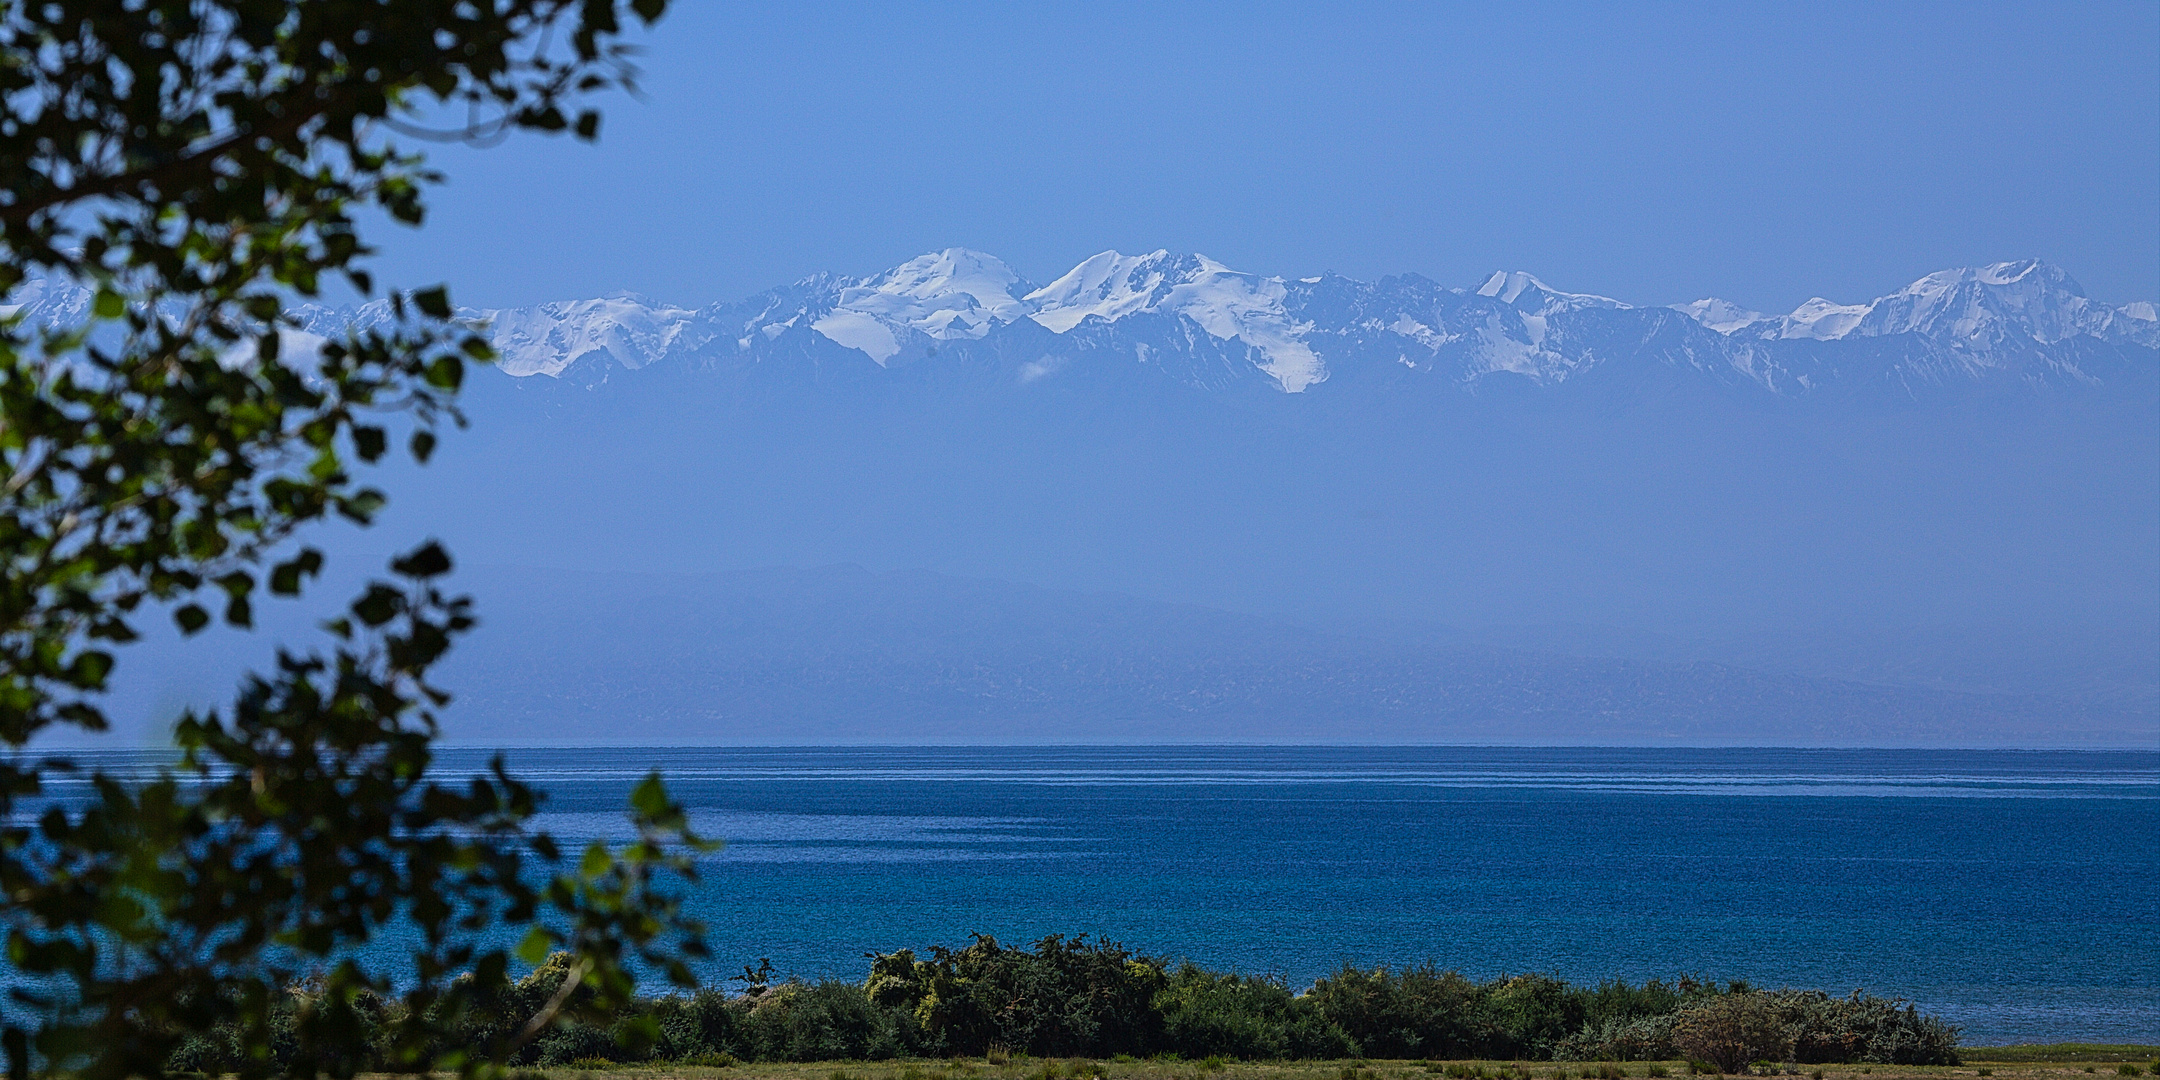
x: 1653, y: 152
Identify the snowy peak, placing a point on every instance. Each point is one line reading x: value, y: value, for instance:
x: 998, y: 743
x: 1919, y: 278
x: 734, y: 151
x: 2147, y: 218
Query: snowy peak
x: 1971, y: 309
x: 1228, y: 305
x: 955, y: 293
x: 2028, y: 298
x: 1109, y: 286
x: 1822, y: 320
x: 546, y: 339
x: 1723, y: 316
x: 1526, y: 292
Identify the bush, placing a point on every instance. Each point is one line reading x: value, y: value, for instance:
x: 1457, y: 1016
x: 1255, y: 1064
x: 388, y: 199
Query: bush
x: 1730, y: 1031
x: 575, y: 1045
x: 1417, y: 1012
x: 1065, y: 998
x: 1646, y: 1038
x: 1209, y: 1015
x: 1083, y: 1001
x: 1859, y: 1028
x: 828, y: 1020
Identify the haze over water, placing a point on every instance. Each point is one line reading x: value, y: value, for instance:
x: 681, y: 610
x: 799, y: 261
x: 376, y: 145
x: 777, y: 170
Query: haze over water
x: 2012, y: 891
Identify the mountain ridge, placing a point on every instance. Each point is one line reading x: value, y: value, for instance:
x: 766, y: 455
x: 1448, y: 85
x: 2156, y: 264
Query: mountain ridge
x: 2025, y: 322
x: 2022, y: 322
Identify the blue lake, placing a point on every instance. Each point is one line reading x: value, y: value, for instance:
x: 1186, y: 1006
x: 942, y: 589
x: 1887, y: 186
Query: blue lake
x: 2017, y: 893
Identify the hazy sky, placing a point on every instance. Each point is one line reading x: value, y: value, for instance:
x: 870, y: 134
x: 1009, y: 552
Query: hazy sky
x: 1653, y: 152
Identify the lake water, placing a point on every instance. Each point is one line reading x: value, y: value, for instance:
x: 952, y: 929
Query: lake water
x: 2017, y: 893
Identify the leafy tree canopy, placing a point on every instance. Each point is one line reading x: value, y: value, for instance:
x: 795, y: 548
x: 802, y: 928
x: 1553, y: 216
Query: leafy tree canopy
x: 201, y: 166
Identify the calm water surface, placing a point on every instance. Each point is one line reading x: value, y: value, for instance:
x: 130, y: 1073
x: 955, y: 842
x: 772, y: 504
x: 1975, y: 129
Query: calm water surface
x: 2016, y: 892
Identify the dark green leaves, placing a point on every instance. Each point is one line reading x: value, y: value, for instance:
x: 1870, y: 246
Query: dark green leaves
x: 286, y: 576
x: 192, y: 168
x: 369, y: 441
x: 428, y: 561
x: 434, y: 303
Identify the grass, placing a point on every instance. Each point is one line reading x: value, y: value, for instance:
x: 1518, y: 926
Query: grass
x: 2129, y: 1052
x: 2067, y: 1061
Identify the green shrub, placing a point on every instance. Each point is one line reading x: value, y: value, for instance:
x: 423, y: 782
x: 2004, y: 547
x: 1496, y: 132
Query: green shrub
x: 576, y: 1045
x: 1072, y: 1003
x: 1731, y: 1031
x: 2127, y: 1069
x: 1620, y: 1038
x: 1208, y: 1015
x: 1416, y: 1012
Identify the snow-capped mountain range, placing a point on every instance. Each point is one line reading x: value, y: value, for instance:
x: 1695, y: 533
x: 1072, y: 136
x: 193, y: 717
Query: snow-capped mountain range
x: 1207, y: 325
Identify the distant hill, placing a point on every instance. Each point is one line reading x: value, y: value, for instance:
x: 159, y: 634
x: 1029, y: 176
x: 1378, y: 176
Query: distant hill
x: 843, y: 655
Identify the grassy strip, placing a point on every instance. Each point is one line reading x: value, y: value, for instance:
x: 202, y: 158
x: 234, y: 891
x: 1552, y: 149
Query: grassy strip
x: 2050, y: 1052
x: 1023, y: 1068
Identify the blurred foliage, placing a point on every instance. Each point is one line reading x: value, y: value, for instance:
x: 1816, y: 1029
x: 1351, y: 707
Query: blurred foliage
x: 200, y: 166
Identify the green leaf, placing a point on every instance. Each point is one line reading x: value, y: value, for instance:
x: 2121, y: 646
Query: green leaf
x: 191, y: 618
x: 285, y: 577
x: 650, y: 797
x: 108, y: 304
x: 446, y: 373
x: 423, y: 445
x: 534, y: 949
x: 426, y: 561
x: 378, y: 605
x: 89, y: 669
x: 596, y: 862
x: 369, y: 442
x: 434, y: 302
